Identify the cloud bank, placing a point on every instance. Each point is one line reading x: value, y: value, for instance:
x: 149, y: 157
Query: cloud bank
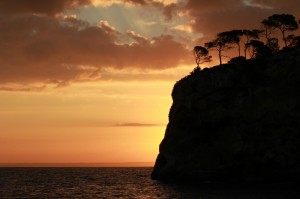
x: 212, y: 17
x: 38, y: 45
x: 18, y: 7
x: 41, y: 43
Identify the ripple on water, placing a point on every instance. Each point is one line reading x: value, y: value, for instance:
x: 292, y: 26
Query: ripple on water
x: 120, y: 183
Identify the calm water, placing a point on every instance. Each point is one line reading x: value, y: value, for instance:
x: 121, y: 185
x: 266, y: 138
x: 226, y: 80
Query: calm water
x: 122, y: 183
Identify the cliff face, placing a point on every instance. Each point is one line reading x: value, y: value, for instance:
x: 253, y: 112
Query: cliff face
x: 236, y: 121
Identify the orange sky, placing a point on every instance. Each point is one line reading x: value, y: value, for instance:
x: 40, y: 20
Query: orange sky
x: 85, y: 81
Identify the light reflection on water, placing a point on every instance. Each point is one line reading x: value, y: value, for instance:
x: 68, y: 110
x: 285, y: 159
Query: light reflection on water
x: 121, y: 183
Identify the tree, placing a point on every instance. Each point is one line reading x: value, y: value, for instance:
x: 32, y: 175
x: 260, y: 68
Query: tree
x: 293, y: 40
x: 268, y: 30
x: 237, y: 60
x: 283, y: 22
x: 250, y: 34
x: 220, y: 44
x: 259, y: 49
x: 296, y: 41
x: 273, y: 45
x: 201, y: 55
x: 232, y: 37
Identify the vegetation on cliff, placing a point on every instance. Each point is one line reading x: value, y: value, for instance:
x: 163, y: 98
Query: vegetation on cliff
x: 251, y: 40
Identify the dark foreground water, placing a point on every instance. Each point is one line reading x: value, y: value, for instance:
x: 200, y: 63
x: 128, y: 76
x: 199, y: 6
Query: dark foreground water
x: 123, y: 183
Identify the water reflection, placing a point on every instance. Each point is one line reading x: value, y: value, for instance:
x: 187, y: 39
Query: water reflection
x: 224, y: 191
x: 126, y: 183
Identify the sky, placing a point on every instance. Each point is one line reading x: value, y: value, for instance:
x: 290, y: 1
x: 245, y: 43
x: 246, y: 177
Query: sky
x: 90, y: 81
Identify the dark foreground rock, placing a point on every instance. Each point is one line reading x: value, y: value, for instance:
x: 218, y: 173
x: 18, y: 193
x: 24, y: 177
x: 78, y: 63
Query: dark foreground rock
x: 236, y: 122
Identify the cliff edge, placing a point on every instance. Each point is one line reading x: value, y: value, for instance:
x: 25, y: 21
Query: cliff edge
x: 237, y: 121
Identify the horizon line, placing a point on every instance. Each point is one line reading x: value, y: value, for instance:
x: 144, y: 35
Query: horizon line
x: 78, y: 164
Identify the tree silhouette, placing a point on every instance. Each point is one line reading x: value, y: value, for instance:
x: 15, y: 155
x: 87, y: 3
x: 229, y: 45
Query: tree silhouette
x: 293, y: 40
x: 296, y: 41
x: 250, y: 38
x: 259, y: 49
x: 268, y: 30
x: 232, y: 37
x: 250, y: 34
x: 220, y: 44
x: 273, y: 45
x: 237, y: 60
x: 201, y: 55
x: 283, y: 22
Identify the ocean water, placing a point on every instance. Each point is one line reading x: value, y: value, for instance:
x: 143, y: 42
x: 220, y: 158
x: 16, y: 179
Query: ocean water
x: 126, y: 183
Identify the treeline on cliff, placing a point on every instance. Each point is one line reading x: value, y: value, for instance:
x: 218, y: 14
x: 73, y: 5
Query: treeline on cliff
x: 253, y: 44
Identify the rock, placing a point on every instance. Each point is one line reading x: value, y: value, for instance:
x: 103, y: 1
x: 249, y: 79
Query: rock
x: 235, y: 122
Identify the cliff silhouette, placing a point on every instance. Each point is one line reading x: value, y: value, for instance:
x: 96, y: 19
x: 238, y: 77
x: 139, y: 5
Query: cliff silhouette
x: 235, y: 122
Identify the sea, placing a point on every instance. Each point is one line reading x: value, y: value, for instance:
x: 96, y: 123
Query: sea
x: 124, y: 182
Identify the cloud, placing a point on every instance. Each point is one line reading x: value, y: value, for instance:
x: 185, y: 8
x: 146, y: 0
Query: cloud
x: 168, y: 7
x: 212, y: 17
x: 152, y: 2
x: 170, y: 10
x: 56, y: 50
x: 257, y: 4
x: 183, y: 27
x: 107, y: 28
x: 134, y: 2
x: 203, y: 6
x: 136, y: 125
x: 22, y: 88
x: 284, y: 6
x: 138, y: 38
x: 13, y: 7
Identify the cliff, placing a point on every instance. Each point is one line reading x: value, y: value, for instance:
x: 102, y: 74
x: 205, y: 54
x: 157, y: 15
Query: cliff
x: 238, y: 121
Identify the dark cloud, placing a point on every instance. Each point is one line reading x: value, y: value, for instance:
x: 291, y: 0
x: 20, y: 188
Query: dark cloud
x: 212, y: 23
x: 170, y: 10
x: 49, y: 7
x: 139, y: 2
x: 58, y: 50
x: 203, y: 6
x: 212, y: 17
x: 145, y: 2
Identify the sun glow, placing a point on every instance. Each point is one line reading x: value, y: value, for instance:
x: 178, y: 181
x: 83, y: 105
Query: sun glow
x: 80, y: 144
x: 87, y: 122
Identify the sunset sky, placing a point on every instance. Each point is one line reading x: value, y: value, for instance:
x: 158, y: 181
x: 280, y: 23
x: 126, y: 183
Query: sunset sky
x: 84, y: 81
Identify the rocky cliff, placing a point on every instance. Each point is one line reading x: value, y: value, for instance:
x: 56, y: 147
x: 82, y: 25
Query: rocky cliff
x: 237, y: 121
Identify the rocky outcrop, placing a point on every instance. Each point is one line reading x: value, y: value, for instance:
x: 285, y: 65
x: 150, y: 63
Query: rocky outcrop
x: 238, y: 121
